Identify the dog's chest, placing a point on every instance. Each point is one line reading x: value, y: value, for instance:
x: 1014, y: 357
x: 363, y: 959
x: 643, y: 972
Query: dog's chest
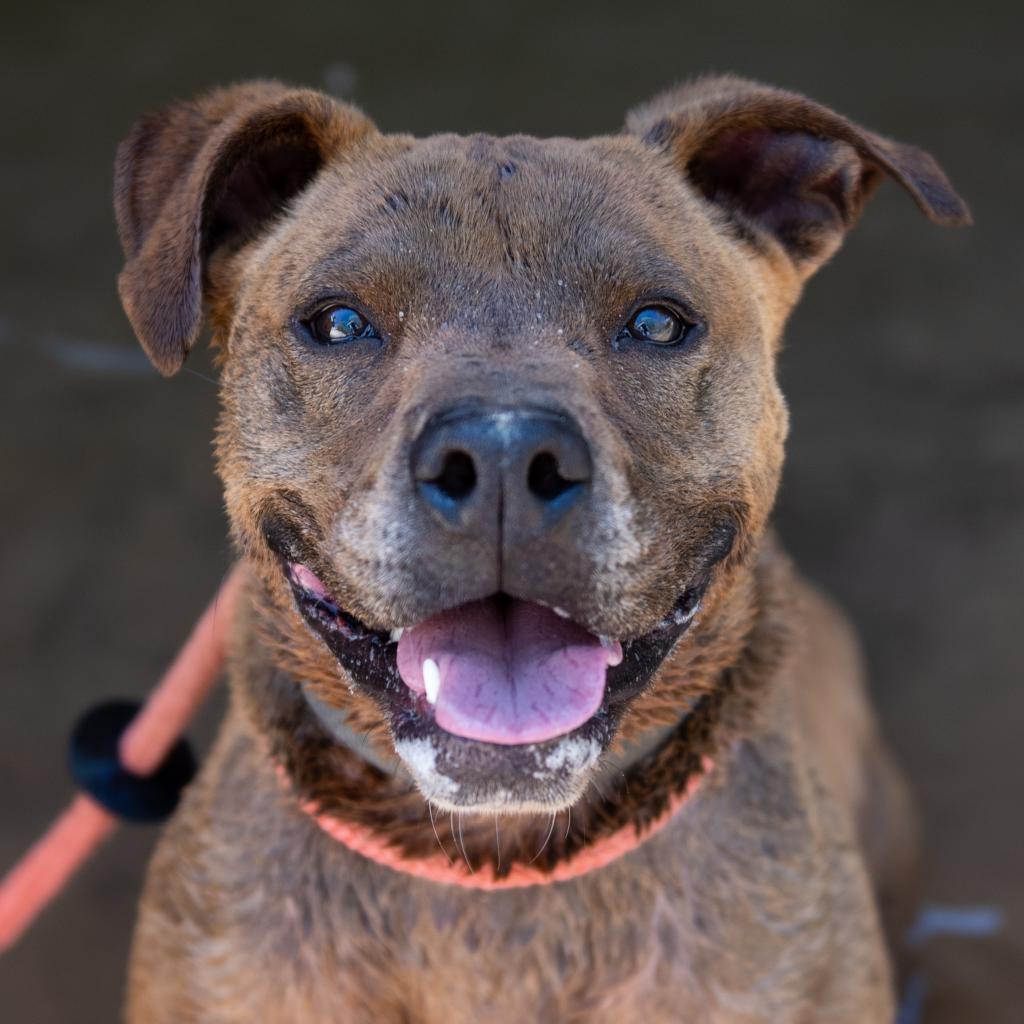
x: 724, y: 915
x: 385, y: 948
x: 663, y: 934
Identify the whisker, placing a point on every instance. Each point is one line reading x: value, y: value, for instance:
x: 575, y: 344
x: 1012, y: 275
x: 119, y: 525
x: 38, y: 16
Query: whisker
x: 497, y: 839
x: 568, y: 825
x: 547, y: 838
x: 201, y: 376
x: 433, y: 825
x: 462, y: 845
x: 617, y: 765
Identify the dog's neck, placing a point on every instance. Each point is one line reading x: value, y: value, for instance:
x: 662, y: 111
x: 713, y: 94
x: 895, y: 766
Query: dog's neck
x: 335, y: 721
x: 335, y: 749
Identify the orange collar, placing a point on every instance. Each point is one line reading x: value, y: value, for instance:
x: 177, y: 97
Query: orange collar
x: 439, y: 868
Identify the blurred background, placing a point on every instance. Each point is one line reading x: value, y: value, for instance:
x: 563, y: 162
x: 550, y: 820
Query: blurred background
x: 904, y: 491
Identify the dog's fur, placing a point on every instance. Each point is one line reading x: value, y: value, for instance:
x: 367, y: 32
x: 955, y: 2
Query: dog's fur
x: 506, y: 267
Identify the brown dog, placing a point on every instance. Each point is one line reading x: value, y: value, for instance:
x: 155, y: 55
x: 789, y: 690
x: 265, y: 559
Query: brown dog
x: 500, y: 437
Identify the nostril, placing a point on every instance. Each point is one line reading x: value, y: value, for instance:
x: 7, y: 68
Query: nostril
x: 457, y: 477
x: 544, y: 478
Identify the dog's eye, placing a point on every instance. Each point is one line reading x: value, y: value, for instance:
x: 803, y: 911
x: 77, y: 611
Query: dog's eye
x: 656, y: 324
x: 335, y: 325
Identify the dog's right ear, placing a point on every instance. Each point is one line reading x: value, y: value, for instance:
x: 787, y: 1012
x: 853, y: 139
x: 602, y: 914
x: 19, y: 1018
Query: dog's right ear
x: 200, y: 176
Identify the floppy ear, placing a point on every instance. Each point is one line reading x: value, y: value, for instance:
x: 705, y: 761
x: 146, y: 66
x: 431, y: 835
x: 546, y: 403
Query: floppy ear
x: 200, y: 176
x: 779, y: 164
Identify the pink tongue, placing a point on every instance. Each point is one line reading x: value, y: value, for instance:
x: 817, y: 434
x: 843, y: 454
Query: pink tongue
x: 513, y: 674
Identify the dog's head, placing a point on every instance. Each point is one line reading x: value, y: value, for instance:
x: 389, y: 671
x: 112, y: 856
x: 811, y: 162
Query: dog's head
x: 499, y: 415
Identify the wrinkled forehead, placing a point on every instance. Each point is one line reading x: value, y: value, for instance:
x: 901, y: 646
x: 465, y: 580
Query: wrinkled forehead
x: 437, y: 218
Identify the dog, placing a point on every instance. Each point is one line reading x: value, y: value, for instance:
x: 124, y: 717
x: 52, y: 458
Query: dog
x: 500, y: 439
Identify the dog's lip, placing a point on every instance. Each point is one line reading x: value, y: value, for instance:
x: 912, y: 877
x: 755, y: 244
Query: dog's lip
x: 322, y: 611
x: 316, y: 602
x: 369, y: 655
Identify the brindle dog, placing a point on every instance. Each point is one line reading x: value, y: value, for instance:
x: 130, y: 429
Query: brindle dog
x: 500, y: 437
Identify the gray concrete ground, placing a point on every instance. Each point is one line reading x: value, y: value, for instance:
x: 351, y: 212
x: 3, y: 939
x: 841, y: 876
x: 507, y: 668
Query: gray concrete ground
x: 905, y: 367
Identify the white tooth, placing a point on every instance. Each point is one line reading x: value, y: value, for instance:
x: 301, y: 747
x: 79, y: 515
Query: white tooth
x: 396, y: 634
x: 561, y: 613
x: 431, y: 680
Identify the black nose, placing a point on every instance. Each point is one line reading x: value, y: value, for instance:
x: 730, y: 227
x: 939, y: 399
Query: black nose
x: 477, y: 467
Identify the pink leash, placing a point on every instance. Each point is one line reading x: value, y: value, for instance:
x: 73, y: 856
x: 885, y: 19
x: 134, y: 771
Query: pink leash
x: 55, y: 857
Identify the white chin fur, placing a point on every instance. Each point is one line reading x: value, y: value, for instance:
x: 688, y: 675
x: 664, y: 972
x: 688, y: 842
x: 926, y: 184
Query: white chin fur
x: 557, y: 781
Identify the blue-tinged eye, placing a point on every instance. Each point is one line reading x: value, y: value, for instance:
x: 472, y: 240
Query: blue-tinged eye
x: 656, y: 324
x: 335, y: 325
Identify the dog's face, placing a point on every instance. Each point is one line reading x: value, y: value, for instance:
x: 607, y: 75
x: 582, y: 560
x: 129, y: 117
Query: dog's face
x: 500, y: 415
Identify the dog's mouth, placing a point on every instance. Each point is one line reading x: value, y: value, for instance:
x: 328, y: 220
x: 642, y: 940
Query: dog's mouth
x: 506, y: 671
x: 501, y: 671
x: 500, y: 704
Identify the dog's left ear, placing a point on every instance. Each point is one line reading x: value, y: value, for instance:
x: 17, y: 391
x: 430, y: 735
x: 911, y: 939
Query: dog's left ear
x: 782, y: 165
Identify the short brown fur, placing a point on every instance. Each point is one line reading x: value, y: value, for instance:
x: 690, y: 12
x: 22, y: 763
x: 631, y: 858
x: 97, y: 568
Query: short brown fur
x: 505, y: 267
